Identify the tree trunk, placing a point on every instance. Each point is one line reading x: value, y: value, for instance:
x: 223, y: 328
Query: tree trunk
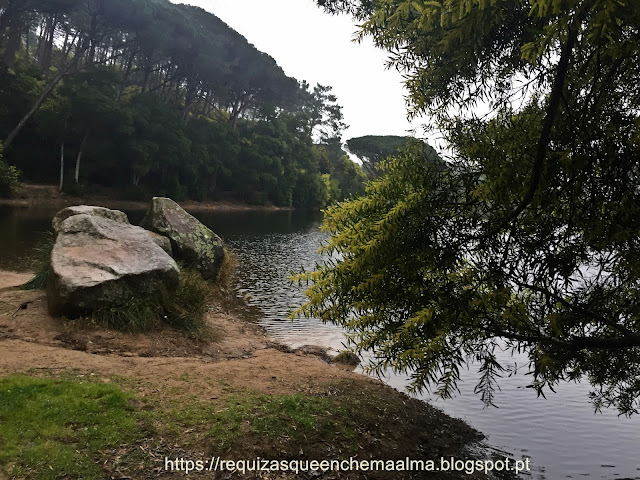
x: 66, y: 49
x: 47, y: 91
x: 27, y: 45
x: 61, y: 166
x: 79, y: 157
x: 14, y: 34
x: 92, y: 50
x: 145, y: 80
x: 47, y: 48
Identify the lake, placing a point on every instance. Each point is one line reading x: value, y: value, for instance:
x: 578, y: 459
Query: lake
x: 561, y: 435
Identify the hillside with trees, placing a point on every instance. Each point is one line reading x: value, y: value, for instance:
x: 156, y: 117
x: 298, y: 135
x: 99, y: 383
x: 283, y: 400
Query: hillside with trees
x: 161, y: 99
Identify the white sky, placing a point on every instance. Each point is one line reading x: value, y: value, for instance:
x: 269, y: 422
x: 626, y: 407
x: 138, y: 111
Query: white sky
x: 311, y: 45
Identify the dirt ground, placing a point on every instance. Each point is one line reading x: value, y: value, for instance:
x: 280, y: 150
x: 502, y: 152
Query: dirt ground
x: 241, y: 353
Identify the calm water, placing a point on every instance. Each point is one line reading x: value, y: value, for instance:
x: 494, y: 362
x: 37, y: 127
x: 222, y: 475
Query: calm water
x: 562, y: 435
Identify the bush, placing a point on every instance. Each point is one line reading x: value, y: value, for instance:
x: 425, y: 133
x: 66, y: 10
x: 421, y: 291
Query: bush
x: 9, y: 177
x: 185, y: 308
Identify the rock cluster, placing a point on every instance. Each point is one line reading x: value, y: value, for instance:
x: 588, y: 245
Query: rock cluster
x: 100, y: 260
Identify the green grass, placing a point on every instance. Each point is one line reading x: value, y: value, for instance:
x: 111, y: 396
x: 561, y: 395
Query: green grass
x: 55, y: 428
x: 295, y: 418
x: 67, y: 427
x: 245, y: 417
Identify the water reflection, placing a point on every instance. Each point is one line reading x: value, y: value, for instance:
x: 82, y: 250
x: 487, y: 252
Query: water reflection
x: 270, y: 246
x: 20, y: 232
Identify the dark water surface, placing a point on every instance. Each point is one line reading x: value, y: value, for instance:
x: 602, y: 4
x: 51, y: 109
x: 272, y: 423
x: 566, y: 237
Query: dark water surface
x: 561, y: 435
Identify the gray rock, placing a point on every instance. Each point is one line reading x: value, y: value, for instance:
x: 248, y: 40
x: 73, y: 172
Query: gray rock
x: 162, y: 241
x: 192, y: 242
x: 62, y: 215
x: 99, y: 262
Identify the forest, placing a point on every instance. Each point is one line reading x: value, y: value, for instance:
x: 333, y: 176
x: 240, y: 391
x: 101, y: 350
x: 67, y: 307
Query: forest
x: 154, y: 98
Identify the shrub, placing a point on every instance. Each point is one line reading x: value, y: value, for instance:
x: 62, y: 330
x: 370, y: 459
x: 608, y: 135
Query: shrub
x: 185, y: 309
x: 9, y: 177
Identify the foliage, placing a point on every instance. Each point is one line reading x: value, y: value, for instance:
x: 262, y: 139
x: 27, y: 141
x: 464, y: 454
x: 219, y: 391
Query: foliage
x: 347, y: 358
x: 9, y: 177
x: 346, y: 177
x: 185, y: 308
x: 528, y: 240
x: 56, y: 428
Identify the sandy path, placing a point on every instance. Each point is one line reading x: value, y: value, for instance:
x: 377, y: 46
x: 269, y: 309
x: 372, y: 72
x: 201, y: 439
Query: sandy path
x: 268, y: 371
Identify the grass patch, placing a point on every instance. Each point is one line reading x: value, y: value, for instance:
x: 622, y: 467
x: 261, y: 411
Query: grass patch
x: 41, y: 261
x: 183, y: 309
x: 61, y: 427
x: 291, y: 419
x: 139, y: 314
x: 55, y: 428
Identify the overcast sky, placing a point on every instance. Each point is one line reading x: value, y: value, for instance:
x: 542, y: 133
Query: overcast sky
x: 314, y: 46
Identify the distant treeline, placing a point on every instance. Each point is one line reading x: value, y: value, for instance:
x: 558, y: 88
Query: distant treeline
x: 162, y: 99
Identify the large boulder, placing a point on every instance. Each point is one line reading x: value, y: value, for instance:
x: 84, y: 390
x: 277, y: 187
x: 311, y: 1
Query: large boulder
x: 100, y: 262
x: 62, y: 215
x: 162, y: 241
x: 115, y: 215
x: 192, y: 242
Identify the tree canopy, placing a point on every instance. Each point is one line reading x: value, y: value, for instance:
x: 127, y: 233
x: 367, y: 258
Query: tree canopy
x: 372, y: 149
x: 161, y: 98
x: 528, y: 240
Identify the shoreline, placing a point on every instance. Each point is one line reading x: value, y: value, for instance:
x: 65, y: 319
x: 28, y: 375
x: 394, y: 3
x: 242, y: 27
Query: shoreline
x: 47, y: 196
x: 244, y: 363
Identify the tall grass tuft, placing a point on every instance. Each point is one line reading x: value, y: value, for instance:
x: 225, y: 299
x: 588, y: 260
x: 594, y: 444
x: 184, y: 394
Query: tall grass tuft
x: 227, y: 269
x: 182, y: 309
x: 41, y: 261
x: 186, y: 308
x: 139, y: 314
